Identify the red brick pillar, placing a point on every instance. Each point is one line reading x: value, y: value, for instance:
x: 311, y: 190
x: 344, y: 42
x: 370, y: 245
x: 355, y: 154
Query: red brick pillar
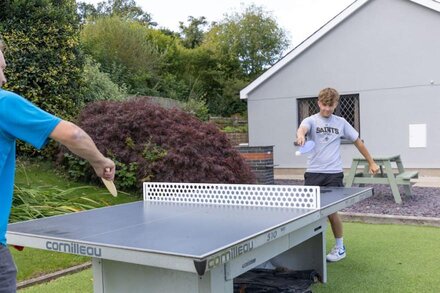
x: 260, y: 159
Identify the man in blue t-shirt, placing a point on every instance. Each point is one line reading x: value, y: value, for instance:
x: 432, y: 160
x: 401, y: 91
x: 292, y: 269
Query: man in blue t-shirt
x: 324, y: 165
x: 20, y: 119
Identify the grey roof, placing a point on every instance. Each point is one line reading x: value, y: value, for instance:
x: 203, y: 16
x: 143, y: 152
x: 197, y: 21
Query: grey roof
x: 340, y: 17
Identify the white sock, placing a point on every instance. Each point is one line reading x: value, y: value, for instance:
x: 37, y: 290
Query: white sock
x: 339, y: 242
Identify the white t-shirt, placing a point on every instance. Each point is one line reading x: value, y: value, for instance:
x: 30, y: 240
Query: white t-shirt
x: 327, y: 134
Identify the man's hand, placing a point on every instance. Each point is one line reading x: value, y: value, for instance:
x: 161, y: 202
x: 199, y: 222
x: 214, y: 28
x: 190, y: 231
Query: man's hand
x: 105, y: 169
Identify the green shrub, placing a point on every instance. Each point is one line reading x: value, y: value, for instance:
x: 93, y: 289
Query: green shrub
x: 122, y: 48
x: 239, y: 129
x: 43, y: 56
x: 97, y: 85
x: 198, y: 108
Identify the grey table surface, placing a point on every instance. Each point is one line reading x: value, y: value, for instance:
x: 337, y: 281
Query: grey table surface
x: 193, y: 230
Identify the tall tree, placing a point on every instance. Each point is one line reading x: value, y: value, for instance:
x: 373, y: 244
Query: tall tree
x: 251, y: 40
x: 244, y: 44
x: 127, y: 9
x: 123, y: 49
x: 86, y: 11
x: 192, y: 34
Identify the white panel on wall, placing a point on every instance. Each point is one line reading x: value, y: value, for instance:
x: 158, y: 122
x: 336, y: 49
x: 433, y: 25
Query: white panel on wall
x: 417, y: 135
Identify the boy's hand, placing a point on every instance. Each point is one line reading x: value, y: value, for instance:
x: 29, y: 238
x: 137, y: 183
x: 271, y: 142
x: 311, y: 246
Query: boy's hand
x: 373, y: 168
x: 300, y: 140
x: 301, y: 136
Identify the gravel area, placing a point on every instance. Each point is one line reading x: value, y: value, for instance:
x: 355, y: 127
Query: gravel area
x: 425, y: 201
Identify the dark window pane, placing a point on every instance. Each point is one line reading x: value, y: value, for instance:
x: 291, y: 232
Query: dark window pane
x: 348, y: 108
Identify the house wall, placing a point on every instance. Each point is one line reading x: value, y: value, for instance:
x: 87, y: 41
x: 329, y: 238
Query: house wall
x: 388, y: 51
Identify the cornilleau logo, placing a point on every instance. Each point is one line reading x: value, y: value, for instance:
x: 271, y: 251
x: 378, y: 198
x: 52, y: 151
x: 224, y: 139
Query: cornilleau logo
x: 74, y: 248
x: 232, y: 253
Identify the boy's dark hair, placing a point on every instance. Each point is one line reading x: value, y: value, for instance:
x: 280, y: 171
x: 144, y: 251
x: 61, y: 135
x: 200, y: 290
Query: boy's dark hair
x: 328, y: 96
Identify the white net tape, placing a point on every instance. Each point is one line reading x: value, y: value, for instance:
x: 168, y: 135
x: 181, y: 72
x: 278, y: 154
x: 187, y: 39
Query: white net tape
x: 286, y: 196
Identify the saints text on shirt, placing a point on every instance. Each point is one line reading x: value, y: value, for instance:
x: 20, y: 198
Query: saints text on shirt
x: 327, y: 130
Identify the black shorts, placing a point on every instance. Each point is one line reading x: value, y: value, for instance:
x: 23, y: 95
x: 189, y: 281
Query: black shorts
x: 324, y: 179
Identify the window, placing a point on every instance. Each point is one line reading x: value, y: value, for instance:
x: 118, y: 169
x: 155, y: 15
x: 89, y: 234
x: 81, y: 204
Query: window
x: 348, y: 108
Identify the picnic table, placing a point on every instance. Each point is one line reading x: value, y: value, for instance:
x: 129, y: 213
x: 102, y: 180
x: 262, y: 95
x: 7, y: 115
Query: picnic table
x: 386, y: 174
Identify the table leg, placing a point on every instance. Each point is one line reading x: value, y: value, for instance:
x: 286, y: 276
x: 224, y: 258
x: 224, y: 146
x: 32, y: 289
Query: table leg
x: 351, y: 174
x: 401, y: 169
x: 407, y: 189
x: 308, y: 254
x: 98, y: 282
x: 392, y: 181
x: 400, y: 165
x: 365, y: 172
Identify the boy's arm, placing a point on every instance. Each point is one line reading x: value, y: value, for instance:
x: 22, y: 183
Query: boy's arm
x: 373, y: 167
x: 81, y: 144
x: 301, y: 135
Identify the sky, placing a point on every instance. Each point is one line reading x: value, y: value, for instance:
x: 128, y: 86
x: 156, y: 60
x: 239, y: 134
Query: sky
x: 300, y: 18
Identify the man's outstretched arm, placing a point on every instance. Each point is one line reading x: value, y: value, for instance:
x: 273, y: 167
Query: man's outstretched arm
x: 82, y: 145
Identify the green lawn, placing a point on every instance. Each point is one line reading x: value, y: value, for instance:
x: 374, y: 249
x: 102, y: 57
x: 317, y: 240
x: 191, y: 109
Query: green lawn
x: 81, y: 282
x: 33, y: 262
x: 386, y: 258
x: 381, y: 258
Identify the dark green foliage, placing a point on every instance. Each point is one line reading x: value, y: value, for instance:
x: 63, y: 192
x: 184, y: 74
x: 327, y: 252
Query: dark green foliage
x: 44, y: 63
x: 205, y: 62
x: 127, y: 9
x: 97, y: 85
x: 198, y: 108
x: 151, y: 143
x: 122, y: 48
x: 228, y: 102
x: 249, y: 41
x: 192, y: 35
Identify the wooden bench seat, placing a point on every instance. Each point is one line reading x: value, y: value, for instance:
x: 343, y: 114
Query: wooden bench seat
x: 405, y: 177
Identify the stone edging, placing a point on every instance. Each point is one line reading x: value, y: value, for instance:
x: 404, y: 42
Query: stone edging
x: 389, y: 219
x: 52, y: 276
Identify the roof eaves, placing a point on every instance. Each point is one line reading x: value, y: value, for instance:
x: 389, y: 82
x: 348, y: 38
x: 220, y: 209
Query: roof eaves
x: 433, y: 4
x: 303, y: 46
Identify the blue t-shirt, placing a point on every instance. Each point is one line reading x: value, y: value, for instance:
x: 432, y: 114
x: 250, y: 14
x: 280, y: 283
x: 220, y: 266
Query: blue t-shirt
x: 327, y: 134
x: 19, y: 119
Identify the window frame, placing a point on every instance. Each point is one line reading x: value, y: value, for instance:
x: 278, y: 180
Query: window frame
x: 354, y: 121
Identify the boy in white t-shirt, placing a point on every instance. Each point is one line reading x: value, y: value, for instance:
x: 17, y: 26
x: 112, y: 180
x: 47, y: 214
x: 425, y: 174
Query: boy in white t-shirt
x: 324, y: 165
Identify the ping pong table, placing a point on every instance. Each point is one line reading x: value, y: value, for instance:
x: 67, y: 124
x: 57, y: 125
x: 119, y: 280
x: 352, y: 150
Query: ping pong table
x: 194, y: 237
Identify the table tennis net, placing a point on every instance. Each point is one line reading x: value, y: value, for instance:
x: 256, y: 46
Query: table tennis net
x: 284, y: 196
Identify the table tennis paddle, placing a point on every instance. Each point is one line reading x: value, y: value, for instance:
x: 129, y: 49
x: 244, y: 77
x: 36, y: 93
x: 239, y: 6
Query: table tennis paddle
x: 110, y: 186
x: 307, y: 147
